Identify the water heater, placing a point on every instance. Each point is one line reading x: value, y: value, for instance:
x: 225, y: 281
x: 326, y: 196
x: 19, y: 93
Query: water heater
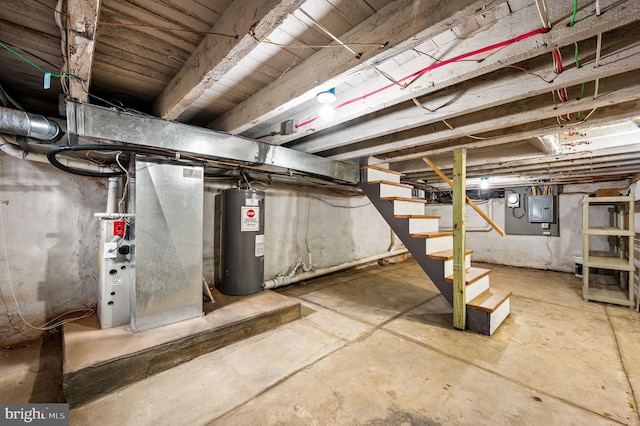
x: 242, y: 241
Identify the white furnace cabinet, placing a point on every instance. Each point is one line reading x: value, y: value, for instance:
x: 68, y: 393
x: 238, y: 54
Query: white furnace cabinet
x: 607, y: 274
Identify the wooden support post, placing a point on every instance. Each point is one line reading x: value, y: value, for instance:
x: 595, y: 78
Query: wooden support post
x: 459, y: 240
x: 469, y: 200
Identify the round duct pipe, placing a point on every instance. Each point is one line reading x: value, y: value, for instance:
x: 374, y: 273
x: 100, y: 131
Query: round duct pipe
x: 20, y: 123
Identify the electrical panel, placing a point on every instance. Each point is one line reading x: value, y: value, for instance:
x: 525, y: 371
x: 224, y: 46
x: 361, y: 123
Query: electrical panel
x: 532, y: 210
x: 540, y: 208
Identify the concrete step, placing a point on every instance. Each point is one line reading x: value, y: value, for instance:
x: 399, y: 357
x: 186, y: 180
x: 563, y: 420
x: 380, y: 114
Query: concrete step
x: 403, y: 206
x: 97, y: 361
x: 374, y: 173
x: 447, y: 257
x: 477, y: 280
x: 393, y: 189
x: 486, y: 312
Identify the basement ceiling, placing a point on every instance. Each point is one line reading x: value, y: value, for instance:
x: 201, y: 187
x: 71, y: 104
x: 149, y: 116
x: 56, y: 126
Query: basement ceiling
x: 535, y: 90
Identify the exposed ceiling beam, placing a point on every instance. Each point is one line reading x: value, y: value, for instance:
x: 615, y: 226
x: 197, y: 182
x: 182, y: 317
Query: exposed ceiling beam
x: 603, y: 116
x: 489, y: 91
x: 82, y: 21
x: 588, y: 25
x: 622, y: 88
x: 402, y: 24
x: 606, y: 162
x: 516, y: 161
x: 216, y: 55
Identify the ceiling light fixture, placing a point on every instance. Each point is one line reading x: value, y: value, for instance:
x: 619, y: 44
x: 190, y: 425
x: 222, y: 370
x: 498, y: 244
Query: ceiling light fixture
x: 484, y: 183
x: 327, y: 97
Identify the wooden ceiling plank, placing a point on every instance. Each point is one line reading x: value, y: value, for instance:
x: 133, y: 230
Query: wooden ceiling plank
x: 82, y: 21
x: 402, y: 24
x: 123, y: 14
x: 217, y: 55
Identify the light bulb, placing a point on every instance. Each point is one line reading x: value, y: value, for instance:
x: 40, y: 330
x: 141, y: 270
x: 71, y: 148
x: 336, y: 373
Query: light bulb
x: 326, y: 111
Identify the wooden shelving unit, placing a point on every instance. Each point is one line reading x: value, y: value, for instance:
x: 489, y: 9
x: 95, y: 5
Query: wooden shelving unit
x: 607, y: 276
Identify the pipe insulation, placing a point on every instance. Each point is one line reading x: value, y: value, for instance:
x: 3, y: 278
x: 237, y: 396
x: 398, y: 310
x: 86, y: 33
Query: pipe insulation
x: 283, y: 280
x: 20, y: 123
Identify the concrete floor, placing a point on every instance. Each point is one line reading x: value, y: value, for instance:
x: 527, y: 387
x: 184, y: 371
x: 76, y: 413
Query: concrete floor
x: 376, y: 347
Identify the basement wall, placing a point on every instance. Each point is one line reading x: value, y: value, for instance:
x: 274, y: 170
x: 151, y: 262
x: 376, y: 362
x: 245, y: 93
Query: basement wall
x: 539, y: 252
x: 52, y: 238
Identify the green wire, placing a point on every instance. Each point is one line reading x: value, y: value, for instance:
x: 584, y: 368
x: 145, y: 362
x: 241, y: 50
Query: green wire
x: 575, y: 10
x: 28, y: 61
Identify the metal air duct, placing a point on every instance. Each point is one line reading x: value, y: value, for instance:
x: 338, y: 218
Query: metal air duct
x: 15, y: 122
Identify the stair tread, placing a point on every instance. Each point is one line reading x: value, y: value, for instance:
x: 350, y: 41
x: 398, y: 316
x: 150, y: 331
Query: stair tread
x: 412, y: 200
x: 489, y: 300
x: 386, y: 182
x: 382, y: 169
x: 472, y: 275
x: 431, y: 234
x: 445, y: 254
x: 415, y: 216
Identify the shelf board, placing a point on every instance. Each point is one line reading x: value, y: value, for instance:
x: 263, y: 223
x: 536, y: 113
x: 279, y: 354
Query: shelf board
x: 609, y: 294
x: 606, y: 262
x: 609, y: 200
x: 609, y: 231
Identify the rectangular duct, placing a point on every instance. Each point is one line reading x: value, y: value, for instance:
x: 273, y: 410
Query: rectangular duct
x: 93, y: 122
x: 168, y: 244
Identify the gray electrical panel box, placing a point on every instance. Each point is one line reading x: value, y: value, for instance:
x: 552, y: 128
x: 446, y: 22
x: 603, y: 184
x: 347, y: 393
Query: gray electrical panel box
x: 540, y: 208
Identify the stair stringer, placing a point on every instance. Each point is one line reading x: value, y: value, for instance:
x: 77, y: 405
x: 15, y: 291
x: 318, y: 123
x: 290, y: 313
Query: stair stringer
x: 432, y: 267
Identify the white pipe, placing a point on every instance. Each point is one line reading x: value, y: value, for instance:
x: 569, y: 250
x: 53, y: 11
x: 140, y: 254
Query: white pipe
x: 486, y: 228
x: 283, y: 280
x: 9, y: 149
x: 111, y: 194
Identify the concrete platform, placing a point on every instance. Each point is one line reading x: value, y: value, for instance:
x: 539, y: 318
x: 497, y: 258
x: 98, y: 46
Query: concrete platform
x: 96, y: 362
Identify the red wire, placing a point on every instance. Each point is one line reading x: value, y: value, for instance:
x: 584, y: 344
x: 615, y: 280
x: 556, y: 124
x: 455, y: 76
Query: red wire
x: 434, y: 66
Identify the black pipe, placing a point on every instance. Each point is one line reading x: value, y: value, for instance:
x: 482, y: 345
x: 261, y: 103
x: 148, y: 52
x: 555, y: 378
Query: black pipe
x: 53, y: 152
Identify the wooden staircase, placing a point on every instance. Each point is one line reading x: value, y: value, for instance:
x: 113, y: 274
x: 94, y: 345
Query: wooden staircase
x: 487, y: 307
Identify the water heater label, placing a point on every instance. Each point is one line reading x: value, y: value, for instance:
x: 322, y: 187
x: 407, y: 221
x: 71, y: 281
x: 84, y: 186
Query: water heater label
x: 250, y: 220
x: 251, y: 201
x: 259, y: 245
